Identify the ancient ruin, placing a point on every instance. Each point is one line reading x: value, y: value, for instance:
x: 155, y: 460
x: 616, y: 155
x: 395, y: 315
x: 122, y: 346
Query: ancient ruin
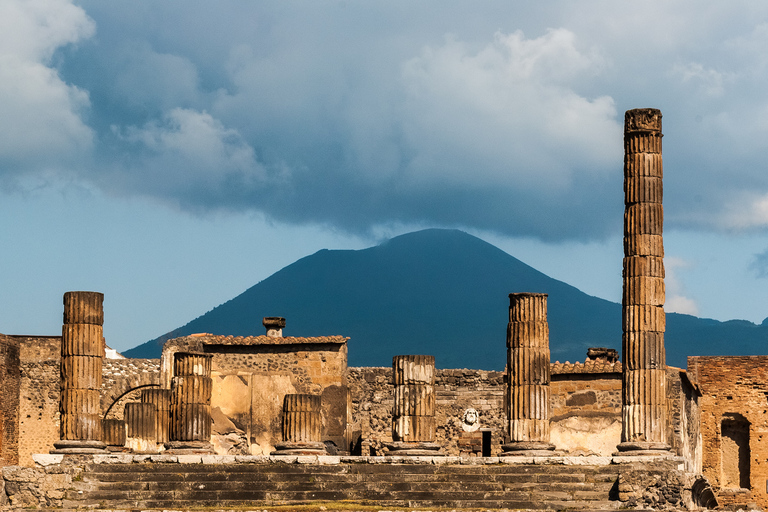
x: 82, y: 351
x: 255, y: 421
x: 528, y: 375
x: 644, y: 404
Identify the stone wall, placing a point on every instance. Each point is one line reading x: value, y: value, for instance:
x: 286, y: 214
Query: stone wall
x: 684, y: 424
x: 122, y: 382
x: 456, y: 391
x: 10, y: 380
x: 734, y: 425
x: 252, y: 374
x: 39, y: 390
x: 585, y: 400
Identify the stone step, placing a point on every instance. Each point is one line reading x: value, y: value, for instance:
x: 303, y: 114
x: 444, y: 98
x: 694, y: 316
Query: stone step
x: 178, y: 486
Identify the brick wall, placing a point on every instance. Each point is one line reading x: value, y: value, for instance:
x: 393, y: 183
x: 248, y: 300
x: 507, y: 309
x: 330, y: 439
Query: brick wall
x: 10, y: 380
x: 39, y: 390
x: 734, y: 398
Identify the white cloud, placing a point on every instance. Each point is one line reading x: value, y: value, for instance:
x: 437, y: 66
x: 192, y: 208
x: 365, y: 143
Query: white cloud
x: 189, y: 156
x: 676, y: 300
x: 748, y: 210
x: 508, y: 113
x: 40, y: 115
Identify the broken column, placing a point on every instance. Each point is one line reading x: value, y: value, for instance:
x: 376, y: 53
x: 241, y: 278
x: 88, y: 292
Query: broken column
x: 413, y: 414
x: 301, y: 426
x: 644, y: 407
x: 528, y: 376
x: 141, y: 422
x: 113, y: 434
x: 82, y: 353
x: 161, y: 401
x: 191, y: 386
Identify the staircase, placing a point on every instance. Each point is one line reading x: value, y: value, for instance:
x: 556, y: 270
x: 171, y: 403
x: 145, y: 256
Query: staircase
x: 151, y: 485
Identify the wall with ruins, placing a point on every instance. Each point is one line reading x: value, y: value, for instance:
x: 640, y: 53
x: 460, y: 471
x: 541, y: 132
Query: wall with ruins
x: 39, y: 390
x: 122, y: 382
x: 251, y: 375
x: 585, y: 400
x: 734, y: 425
x: 10, y: 380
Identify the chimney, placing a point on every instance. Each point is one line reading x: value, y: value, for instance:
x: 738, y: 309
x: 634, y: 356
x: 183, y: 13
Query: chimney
x: 274, y: 325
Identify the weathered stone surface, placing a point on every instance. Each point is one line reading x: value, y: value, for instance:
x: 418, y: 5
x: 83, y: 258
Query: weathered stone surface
x: 82, y: 340
x: 301, y: 418
x: 84, y: 308
x: 416, y: 369
x: 413, y: 413
x: 528, y: 374
x: 141, y: 423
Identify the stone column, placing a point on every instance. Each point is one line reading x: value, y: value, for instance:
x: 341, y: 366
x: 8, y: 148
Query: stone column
x: 82, y: 352
x: 161, y: 400
x: 644, y: 407
x: 141, y: 420
x: 113, y: 434
x: 528, y: 376
x: 191, y: 404
x: 413, y: 413
x: 301, y: 426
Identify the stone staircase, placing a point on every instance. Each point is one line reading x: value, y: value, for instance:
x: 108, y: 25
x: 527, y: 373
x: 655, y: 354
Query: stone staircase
x: 178, y: 486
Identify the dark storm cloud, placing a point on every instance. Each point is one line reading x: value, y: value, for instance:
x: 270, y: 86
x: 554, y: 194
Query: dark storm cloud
x: 361, y: 114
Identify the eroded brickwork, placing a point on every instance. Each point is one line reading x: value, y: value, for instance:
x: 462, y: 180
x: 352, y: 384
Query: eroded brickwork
x: 582, y: 405
x: 10, y: 380
x: 39, y: 358
x: 734, y: 425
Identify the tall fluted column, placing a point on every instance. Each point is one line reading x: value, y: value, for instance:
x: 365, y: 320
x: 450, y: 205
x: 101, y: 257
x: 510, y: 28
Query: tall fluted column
x: 528, y: 375
x: 301, y: 426
x: 413, y: 414
x: 82, y: 353
x: 644, y: 406
x: 191, y: 389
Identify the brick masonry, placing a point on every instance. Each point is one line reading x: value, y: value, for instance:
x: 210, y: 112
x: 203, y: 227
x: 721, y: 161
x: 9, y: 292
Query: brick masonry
x: 734, y: 426
x: 39, y: 390
x: 10, y: 380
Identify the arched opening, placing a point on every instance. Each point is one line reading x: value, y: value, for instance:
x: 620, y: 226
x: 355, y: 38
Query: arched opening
x: 734, y: 451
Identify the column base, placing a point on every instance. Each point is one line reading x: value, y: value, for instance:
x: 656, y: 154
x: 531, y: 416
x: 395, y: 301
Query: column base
x: 528, y: 449
x: 188, y: 447
x: 414, y: 449
x: 300, y: 448
x: 74, y: 446
x: 643, y: 449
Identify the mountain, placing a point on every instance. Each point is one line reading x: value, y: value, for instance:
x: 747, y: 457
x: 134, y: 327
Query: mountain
x: 445, y: 293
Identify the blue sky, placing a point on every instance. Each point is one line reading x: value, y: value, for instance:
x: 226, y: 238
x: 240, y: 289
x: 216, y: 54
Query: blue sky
x: 172, y: 154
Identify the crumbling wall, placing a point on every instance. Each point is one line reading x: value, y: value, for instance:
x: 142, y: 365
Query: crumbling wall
x: 583, y: 404
x: 734, y: 426
x: 252, y: 374
x: 684, y: 419
x: 39, y: 390
x: 10, y: 380
x: 122, y: 381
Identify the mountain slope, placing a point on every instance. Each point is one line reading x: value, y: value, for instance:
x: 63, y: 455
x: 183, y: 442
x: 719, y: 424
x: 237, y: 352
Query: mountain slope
x: 440, y: 292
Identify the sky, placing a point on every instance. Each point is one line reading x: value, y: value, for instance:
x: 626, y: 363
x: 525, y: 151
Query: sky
x: 173, y: 154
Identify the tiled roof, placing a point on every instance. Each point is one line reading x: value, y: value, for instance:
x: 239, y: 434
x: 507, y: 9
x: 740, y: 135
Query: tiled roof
x: 213, y: 339
x: 588, y: 366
